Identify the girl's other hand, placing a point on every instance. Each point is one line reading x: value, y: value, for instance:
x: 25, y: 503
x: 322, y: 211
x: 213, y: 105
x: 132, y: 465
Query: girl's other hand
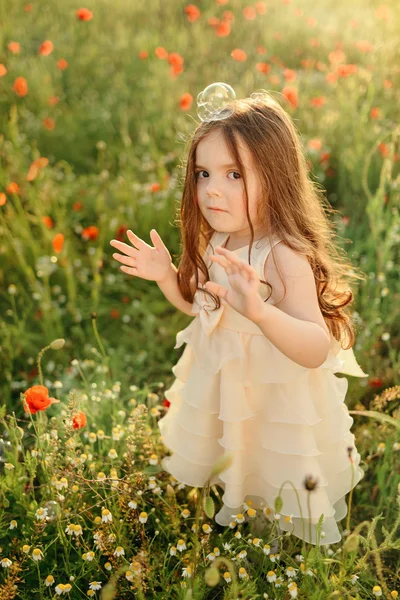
x: 143, y: 260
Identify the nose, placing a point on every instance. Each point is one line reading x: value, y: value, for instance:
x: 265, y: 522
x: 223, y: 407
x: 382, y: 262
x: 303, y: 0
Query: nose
x: 211, y: 191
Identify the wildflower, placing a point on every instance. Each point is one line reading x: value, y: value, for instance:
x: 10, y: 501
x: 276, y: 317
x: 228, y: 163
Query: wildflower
x: 172, y: 551
x: 49, y: 580
x: 226, y: 546
x: 256, y: 542
x: 129, y: 575
x: 106, y: 515
x: 292, y: 587
x: 185, y: 513
x: 88, y: 556
x: 181, y: 545
x: 252, y: 513
x: 26, y: 548
x: 37, y: 554
x: 211, y: 556
x: 206, y: 528
x: 62, y: 588
x: 243, y: 573
x: 79, y: 420
x: 238, y: 535
x: 46, y: 48
x: 84, y: 14
x: 112, y: 453
x: 91, y: 593
x: 62, y: 483
x: 143, y: 517
x: 267, y: 549
x: 232, y: 524
x: 119, y: 551
x: 132, y: 504
x: 101, y: 476
x: 136, y: 566
x: 73, y: 529
x: 376, y: 590
x: 116, y: 433
x: 92, y: 437
x: 291, y: 572
x: 100, y: 434
x: 95, y: 585
x: 271, y: 576
x: 108, y: 566
x: 242, y: 554
x: 37, y: 398
x: 6, y: 562
x: 239, y: 518
x: 153, y: 460
x: 20, y: 86
x: 13, y: 524
x: 227, y: 577
x: 187, y: 571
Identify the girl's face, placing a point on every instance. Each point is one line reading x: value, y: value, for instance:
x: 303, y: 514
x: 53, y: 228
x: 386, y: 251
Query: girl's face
x: 220, y: 185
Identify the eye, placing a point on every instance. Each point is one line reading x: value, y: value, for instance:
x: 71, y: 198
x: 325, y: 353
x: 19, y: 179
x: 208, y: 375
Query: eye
x: 203, y: 171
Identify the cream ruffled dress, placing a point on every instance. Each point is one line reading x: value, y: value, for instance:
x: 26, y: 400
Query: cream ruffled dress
x: 236, y: 393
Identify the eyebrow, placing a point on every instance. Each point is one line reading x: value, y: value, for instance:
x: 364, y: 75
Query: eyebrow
x: 221, y: 166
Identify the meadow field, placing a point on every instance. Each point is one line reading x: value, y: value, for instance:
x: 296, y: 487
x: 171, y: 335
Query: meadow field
x: 96, y: 104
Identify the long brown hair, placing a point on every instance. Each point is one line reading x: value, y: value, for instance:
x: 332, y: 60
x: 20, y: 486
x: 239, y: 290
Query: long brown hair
x: 292, y: 207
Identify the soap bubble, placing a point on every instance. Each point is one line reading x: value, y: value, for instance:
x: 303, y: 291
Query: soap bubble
x: 53, y: 510
x: 212, y: 102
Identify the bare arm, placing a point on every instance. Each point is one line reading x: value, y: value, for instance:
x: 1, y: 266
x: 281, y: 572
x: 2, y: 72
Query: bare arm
x: 170, y: 289
x: 304, y: 342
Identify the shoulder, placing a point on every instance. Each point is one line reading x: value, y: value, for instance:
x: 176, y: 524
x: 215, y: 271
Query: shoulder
x: 300, y: 298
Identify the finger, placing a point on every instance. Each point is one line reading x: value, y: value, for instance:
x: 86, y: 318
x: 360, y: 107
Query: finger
x: 127, y: 260
x: 229, y: 266
x: 129, y: 270
x: 124, y: 247
x: 216, y: 288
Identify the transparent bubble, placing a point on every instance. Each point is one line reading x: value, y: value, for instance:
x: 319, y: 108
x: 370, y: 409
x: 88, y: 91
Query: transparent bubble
x: 212, y: 102
x: 53, y: 510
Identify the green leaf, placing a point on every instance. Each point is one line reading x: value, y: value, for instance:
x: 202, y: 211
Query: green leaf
x: 209, y: 506
x: 382, y: 417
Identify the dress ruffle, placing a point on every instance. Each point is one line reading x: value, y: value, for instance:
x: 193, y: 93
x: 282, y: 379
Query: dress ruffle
x: 285, y: 419
x: 235, y: 393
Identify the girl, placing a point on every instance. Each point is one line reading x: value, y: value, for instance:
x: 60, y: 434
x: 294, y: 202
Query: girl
x: 257, y: 379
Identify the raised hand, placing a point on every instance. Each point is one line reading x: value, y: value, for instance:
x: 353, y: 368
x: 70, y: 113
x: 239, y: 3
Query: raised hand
x: 244, y: 281
x: 142, y: 260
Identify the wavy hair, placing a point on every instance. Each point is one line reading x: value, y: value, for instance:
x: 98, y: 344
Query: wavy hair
x: 291, y: 206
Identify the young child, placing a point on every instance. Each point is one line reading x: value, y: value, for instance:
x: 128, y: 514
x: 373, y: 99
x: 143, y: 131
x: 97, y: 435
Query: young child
x: 257, y: 379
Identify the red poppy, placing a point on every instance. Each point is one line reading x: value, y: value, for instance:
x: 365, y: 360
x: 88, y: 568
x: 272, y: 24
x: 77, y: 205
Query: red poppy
x: 3, y: 199
x: 62, y: 64
x: 58, y: 242
x: 239, y: 55
x: 91, y: 232
x: 3, y: 70
x: 48, y: 221
x: 46, y: 48
x: 186, y: 101
x: 37, y: 398
x: 193, y: 13
x: 79, y: 420
x: 12, y: 188
x: 291, y: 95
x: 14, y: 47
x: 84, y: 14
x: 20, y: 86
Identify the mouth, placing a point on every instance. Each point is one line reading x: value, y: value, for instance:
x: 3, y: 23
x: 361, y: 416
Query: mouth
x: 217, y: 209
